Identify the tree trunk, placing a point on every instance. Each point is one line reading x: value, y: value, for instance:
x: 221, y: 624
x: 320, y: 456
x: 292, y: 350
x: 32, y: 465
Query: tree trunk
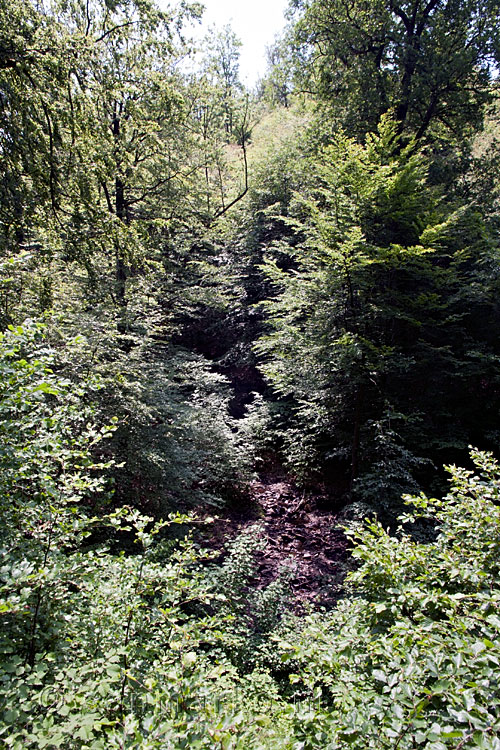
x: 120, y: 268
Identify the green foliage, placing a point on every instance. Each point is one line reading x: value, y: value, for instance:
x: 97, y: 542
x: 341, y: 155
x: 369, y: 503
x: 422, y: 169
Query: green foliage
x: 153, y: 649
x: 48, y: 468
x: 221, y: 72
x: 253, y: 615
x: 430, y: 63
x: 413, y: 660
x: 372, y: 301
x: 97, y: 649
x: 142, y: 216
x: 178, y: 443
x: 105, y: 207
x: 277, y: 86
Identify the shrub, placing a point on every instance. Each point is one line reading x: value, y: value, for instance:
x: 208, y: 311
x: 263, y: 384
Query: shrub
x: 412, y: 661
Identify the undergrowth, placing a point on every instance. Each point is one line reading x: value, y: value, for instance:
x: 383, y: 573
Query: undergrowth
x: 158, y: 649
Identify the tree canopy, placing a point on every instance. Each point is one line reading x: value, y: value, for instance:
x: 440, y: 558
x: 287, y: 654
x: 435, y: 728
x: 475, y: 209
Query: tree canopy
x: 428, y: 62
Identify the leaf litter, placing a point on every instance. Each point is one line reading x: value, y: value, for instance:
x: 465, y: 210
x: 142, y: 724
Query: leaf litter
x: 302, y: 535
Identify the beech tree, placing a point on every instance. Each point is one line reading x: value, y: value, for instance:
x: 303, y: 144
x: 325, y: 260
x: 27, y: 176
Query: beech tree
x: 372, y: 340
x: 222, y: 69
x: 429, y: 61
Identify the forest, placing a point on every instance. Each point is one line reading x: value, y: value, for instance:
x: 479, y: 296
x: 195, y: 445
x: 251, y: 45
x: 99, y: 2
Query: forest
x: 250, y: 379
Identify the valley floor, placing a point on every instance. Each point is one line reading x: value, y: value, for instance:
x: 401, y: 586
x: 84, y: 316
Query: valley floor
x: 303, y: 535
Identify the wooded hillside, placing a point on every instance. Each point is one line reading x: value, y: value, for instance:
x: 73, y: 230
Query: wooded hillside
x: 241, y: 334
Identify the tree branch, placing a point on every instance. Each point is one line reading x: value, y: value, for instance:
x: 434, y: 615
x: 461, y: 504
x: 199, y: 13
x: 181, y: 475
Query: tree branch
x: 115, y: 28
x: 225, y: 209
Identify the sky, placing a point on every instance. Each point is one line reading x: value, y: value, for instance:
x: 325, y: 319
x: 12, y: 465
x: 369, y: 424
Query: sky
x: 255, y: 23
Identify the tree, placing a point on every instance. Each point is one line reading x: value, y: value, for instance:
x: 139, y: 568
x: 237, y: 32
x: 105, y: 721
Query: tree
x: 94, y: 126
x: 133, y: 158
x: 35, y: 62
x: 429, y: 62
x: 373, y: 335
x: 277, y: 85
x: 221, y: 66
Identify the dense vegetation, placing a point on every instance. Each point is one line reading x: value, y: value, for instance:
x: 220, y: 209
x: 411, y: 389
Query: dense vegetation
x: 198, y: 281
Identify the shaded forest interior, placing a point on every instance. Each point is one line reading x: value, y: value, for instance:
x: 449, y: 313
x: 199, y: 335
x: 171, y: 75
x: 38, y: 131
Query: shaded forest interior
x: 246, y: 339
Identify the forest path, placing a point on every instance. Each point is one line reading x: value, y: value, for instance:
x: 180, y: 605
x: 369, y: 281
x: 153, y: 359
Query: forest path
x: 301, y: 534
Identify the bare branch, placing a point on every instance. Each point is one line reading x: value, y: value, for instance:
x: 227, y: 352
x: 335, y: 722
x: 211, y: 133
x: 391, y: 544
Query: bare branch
x: 115, y: 28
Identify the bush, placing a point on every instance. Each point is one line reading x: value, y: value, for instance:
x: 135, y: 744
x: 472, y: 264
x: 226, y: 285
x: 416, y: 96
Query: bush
x: 413, y: 660
x: 153, y: 650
